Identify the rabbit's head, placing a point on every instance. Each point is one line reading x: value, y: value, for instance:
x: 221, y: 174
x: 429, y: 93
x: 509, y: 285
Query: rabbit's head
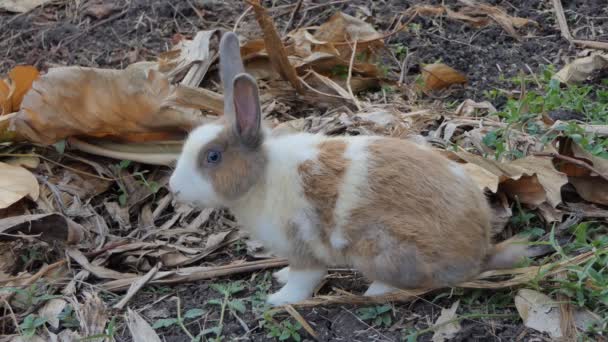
x: 223, y: 160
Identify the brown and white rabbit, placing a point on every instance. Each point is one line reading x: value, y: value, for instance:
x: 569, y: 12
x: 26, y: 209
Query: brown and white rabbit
x: 402, y: 214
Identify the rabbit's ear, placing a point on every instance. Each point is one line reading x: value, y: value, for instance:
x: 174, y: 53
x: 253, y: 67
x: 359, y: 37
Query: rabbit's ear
x: 230, y: 66
x: 247, y: 110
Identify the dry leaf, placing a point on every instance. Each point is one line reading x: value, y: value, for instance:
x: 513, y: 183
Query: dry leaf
x: 539, y: 312
x: 273, y: 43
x: 51, y: 311
x: 499, y: 15
x: 468, y: 107
x: 14, y: 88
x: 16, y: 183
x: 589, y: 185
x: 194, y: 55
x: 140, y: 330
x: 21, y: 6
x: 92, y: 315
x: 473, y: 21
x: 126, y: 104
x: 580, y: 69
x: 49, y: 227
x: 533, y: 180
x: 592, y: 189
x: 438, y: 76
x: 446, y: 331
x: 100, y: 9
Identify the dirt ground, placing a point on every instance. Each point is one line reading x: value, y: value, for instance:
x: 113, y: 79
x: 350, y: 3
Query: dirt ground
x: 137, y: 30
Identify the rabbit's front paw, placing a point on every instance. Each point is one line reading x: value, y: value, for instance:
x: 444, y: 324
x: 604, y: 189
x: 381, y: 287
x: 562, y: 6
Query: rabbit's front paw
x: 282, y: 275
x: 287, y: 296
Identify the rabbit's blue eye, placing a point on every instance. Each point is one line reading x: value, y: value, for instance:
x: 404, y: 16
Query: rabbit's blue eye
x: 214, y: 157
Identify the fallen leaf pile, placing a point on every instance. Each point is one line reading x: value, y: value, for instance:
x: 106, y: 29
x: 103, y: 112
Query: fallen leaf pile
x: 84, y: 155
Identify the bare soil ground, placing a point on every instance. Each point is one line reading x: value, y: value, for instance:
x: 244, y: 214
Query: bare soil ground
x: 67, y: 34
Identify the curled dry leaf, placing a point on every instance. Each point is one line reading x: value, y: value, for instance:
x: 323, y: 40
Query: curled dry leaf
x: 446, y: 331
x: 14, y: 88
x: 140, y: 330
x: 580, y: 69
x: 51, y: 310
x: 469, y: 107
x: 49, y: 227
x: 194, y: 56
x: 438, y: 76
x: 21, y: 6
x: 589, y: 185
x: 532, y: 180
x: 126, y: 104
x: 539, y: 312
x: 93, y: 315
x: 475, y: 14
x: 16, y: 183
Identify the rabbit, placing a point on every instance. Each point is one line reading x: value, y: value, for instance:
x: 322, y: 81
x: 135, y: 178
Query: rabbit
x: 399, y: 212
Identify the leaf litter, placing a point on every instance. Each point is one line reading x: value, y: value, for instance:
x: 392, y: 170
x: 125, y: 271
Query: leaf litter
x: 106, y: 117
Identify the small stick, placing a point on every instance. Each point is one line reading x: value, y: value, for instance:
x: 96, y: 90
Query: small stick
x: 296, y: 315
x: 240, y: 18
x: 293, y: 16
x: 350, y: 75
x: 571, y: 160
x: 136, y: 286
x: 563, y: 26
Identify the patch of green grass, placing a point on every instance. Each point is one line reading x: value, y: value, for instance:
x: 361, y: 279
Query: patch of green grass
x: 227, y: 303
x: 30, y: 324
x: 522, y: 114
x: 180, y: 321
x: 400, y: 50
x: 378, y: 315
x: 258, y: 299
x: 283, y: 330
x: 68, y: 317
x: 34, y: 294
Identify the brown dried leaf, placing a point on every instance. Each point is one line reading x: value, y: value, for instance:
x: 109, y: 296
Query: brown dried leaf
x: 126, y: 104
x: 93, y: 315
x: 445, y: 331
x: 589, y: 185
x: 539, y: 312
x: 194, y: 56
x: 438, y: 76
x: 98, y: 271
x: 21, y: 6
x: 499, y: 15
x: 100, y: 9
x: 469, y: 107
x: 273, y: 43
x: 16, y: 183
x: 533, y: 180
x: 14, y: 88
x: 592, y: 189
x: 51, y: 310
x: 580, y: 69
x: 140, y: 330
x: 473, y: 21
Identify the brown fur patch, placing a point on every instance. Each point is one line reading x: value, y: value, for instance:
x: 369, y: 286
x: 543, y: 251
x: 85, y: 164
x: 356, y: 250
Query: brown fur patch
x: 239, y: 170
x: 419, y: 225
x: 321, y: 180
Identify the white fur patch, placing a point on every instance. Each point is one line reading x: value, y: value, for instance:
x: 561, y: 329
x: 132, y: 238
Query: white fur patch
x: 337, y: 240
x: 378, y: 289
x: 268, y: 210
x: 458, y: 171
x: 186, y: 182
x: 353, y: 184
x: 300, y: 286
